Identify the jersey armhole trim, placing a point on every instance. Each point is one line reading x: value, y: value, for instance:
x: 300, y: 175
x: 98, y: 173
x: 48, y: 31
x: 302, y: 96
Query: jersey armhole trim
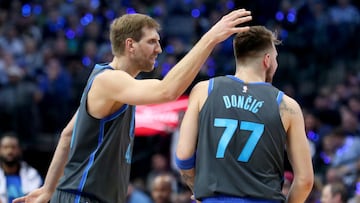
x: 279, y: 97
x: 211, y: 85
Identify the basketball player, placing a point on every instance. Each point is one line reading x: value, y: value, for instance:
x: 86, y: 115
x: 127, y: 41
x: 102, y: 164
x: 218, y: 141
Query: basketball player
x: 233, y: 135
x: 93, y: 155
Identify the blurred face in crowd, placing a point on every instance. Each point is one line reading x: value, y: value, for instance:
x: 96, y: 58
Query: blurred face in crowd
x: 159, y: 163
x: 10, y: 153
x: 330, y: 196
x: 161, y: 189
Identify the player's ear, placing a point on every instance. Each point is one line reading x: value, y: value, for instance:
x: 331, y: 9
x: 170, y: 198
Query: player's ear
x: 266, y: 60
x: 129, y: 45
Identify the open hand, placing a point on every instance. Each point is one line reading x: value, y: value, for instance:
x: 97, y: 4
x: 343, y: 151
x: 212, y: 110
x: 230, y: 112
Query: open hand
x: 37, y: 196
x: 228, y: 25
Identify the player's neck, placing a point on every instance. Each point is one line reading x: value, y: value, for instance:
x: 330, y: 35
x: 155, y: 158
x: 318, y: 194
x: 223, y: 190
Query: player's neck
x: 121, y: 63
x: 249, y: 74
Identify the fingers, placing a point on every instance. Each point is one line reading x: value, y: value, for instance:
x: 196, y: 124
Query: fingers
x: 241, y: 29
x: 234, y: 15
x: 241, y: 20
x: 19, y: 200
x: 236, y: 18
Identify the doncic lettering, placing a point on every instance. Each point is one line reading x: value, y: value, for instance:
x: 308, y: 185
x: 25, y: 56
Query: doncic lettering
x: 247, y: 103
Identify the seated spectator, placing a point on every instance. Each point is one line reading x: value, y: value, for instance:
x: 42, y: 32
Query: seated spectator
x: 16, y: 176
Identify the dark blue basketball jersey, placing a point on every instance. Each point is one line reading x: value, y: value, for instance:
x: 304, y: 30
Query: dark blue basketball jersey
x: 241, y: 142
x: 100, y: 152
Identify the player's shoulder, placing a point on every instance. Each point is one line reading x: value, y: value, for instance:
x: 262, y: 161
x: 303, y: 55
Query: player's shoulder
x: 199, y: 90
x: 290, y: 101
x: 201, y: 85
x: 290, y: 105
x: 109, y: 75
x: 210, y: 82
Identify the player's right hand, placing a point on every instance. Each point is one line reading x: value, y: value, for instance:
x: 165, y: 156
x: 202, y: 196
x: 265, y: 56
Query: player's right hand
x: 37, y: 196
x: 228, y: 25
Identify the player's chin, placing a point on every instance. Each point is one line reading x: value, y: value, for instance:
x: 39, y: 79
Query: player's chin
x: 149, y: 69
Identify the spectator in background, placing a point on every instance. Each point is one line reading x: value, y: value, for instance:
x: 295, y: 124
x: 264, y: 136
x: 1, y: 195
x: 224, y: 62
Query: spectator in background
x: 345, y: 159
x: 344, y: 20
x: 344, y: 12
x: 162, y: 188
x: 350, y: 122
x: 18, y: 100
x: 159, y: 165
x: 136, y: 195
x: 11, y: 41
x: 334, y: 193
x: 55, y: 86
x: 354, y: 105
x: 32, y: 61
x: 16, y: 176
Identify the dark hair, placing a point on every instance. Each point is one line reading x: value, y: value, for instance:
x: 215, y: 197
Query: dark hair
x: 253, y: 42
x: 10, y: 135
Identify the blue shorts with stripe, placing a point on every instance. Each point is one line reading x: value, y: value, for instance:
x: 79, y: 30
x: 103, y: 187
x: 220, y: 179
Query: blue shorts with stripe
x: 227, y: 199
x: 61, y: 196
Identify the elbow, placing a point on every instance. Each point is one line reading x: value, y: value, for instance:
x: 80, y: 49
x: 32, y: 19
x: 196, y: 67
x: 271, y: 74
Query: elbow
x: 306, y: 182
x: 309, y: 184
x: 170, y: 95
x: 66, y: 133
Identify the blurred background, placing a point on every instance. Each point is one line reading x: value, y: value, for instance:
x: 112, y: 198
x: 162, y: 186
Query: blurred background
x: 49, y: 47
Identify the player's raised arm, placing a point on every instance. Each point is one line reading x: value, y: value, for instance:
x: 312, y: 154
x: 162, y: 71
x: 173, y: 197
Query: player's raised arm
x: 136, y: 92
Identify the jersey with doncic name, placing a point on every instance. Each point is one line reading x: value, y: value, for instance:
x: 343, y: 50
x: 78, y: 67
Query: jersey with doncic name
x: 100, y: 152
x: 241, y: 142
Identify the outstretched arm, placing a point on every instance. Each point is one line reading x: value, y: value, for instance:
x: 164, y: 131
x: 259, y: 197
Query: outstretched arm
x: 56, y: 169
x: 298, y: 151
x: 137, y: 92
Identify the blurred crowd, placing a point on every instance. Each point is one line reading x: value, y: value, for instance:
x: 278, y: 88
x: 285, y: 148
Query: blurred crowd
x: 48, y: 49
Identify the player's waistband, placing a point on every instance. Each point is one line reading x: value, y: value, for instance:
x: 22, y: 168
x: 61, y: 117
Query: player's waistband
x: 229, y: 199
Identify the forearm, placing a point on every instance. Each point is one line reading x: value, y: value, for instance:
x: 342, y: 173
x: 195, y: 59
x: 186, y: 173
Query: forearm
x: 188, y: 177
x: 184, y: 72
x: 56, y: 168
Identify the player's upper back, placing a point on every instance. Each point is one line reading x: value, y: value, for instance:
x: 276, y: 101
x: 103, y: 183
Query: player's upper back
x: 241, y: 135
x: 233, y: 97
